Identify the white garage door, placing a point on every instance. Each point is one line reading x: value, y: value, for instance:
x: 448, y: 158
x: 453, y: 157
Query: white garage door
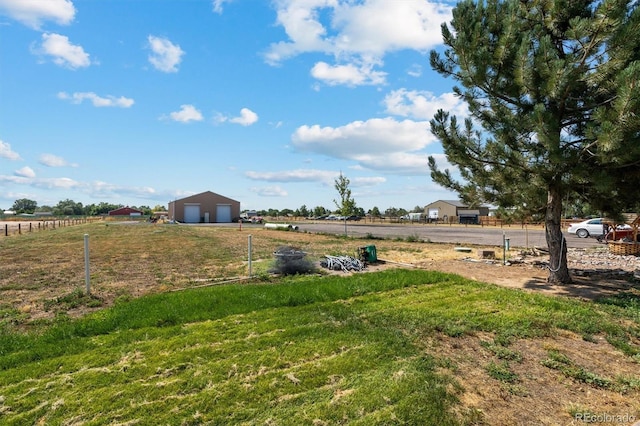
x: 192, y: 213
x: 223, y: 213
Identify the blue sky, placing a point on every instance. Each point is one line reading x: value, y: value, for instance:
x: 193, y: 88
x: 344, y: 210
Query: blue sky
x: 140, y: 102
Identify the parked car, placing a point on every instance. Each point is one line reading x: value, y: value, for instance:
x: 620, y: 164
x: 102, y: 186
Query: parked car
x: 241, y: 219
x: 593, y: 228
x: 353, y: 217
x: 586, y: 228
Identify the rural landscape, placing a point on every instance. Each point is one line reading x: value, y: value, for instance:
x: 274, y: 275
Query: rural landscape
x: 174, y: 331
x: 203, y: 312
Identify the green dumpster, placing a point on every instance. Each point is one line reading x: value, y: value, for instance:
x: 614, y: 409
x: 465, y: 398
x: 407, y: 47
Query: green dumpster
x: 368, y: 254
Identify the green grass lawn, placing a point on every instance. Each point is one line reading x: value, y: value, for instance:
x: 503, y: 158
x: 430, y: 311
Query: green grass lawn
x: 304, y: 350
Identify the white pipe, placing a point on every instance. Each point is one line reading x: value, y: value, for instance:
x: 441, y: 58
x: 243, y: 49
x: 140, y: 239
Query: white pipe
x: 280, y: 226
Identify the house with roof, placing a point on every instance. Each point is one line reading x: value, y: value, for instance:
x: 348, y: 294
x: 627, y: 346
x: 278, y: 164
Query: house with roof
x: 125, y: 211
x: 454, y: 211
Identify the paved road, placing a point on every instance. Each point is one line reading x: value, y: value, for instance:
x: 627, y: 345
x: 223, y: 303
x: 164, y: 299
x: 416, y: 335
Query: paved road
x: 457, y: 234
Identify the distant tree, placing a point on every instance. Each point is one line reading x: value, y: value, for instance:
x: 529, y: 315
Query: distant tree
x: 319, y: 211
x: 44, y: 209
x: 24, y: 205
x: 579, y: 208
x: 68, y: 208
x: 286, y: 212
x: 100, y: 209
x: 347, y: 205
x: 303, y: 211
x: 375, y: 212
x: 417, y: 209
x: 272, y: 213
x: 159, y: 208
x: 391, y: 212
x: 146, y: 210
x: 554, y: 87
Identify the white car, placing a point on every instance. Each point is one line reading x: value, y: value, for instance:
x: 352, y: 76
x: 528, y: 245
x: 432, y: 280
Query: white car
x: 586, y: 228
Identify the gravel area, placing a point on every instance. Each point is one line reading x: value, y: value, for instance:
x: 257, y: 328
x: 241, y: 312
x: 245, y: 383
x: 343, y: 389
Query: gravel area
x: 601, y: 258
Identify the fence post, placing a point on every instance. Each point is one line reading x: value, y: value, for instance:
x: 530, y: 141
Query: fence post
x: 250, y: 247
x: 87, y: 275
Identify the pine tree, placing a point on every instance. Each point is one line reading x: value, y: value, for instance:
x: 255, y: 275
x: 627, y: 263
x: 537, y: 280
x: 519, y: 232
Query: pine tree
x: 553, y: 89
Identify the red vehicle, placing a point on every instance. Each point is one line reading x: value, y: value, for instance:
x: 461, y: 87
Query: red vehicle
x: 617, y: 233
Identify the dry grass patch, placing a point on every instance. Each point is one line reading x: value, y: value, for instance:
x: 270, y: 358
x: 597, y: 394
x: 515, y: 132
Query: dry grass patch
x: 134, y: 259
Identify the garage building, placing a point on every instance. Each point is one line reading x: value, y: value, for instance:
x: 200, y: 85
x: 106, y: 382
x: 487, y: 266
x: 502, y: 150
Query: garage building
x: 206, y: 207
x: 453, y: 211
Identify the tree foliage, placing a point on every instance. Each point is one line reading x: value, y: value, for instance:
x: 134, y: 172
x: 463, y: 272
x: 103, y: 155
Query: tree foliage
x: 68, y: 208
x: 347, y: 205
x: 24, y: 205
x: 553, y: 92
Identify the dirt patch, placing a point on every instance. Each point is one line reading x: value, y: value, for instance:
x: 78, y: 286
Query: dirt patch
x: 536, y: 394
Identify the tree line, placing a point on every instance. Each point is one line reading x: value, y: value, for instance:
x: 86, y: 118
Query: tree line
x: 71, y: 208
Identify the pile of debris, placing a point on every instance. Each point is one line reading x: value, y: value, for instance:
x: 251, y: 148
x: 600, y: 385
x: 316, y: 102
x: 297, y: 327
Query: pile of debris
x: 343, y: 263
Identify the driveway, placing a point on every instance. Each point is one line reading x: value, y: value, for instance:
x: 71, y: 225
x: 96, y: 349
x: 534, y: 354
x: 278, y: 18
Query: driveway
x: 455, y: 234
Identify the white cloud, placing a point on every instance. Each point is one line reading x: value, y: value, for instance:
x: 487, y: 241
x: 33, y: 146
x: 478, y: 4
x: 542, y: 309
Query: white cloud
x: 357, y: 182
x: 217, y: 5
x: 7, y: 152
x: 26, y: 172
x: 407, y: 163
x: 379, y: 144
x: 63, y: 52
x: 46, y: 183
x: 415, y: 70
x: 269, y: 191
x: 33, y: 12
x: 97, y: 189
x: 379, y: 26
x: 100, y: 189
x: 58, y: 183
x: 349, y: 74
x: 299, y: 175
x: 165, y: 56
x: 97, y: 101
x: 423, y: 105
x: 357, y: 34
x: 14, y: 179
x: 51, y: 160
x: 186, y: 114
x: 443, y: 163
x: 379, y: 136
x: 246, y: 118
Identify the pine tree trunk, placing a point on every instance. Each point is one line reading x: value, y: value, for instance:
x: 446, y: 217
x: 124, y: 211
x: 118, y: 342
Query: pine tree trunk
x: 558, y: 269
